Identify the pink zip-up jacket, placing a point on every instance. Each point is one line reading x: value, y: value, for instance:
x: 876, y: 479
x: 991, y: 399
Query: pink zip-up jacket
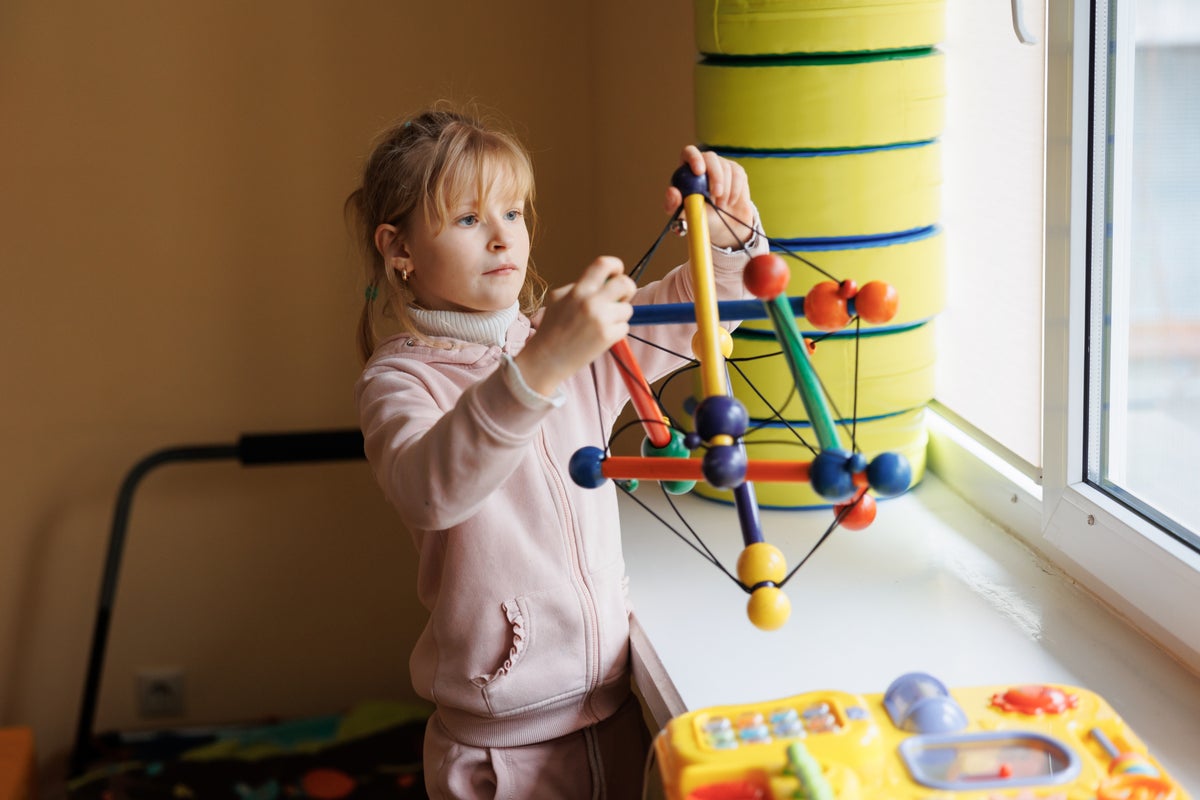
x: 521, y: 569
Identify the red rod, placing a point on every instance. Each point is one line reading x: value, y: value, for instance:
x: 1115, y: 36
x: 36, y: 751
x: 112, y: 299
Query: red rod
x: 659, y: 468
x: 642, y: 398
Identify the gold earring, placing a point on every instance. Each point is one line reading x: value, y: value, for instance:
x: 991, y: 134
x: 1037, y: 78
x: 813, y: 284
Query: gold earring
x: 404, y: 275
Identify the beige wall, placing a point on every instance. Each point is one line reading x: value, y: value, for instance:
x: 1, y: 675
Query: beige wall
x: 174, y: 269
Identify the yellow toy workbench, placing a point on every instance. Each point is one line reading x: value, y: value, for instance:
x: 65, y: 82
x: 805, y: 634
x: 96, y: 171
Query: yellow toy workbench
x: 919, y: 741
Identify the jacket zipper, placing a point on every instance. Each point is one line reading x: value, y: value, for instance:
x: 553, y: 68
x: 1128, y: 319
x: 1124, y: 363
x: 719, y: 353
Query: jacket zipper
x: 579, y: 573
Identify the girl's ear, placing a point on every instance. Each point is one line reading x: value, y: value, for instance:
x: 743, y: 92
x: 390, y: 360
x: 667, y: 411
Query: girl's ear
x: 389, y: 241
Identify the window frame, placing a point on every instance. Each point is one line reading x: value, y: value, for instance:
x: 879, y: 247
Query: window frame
x: 1142, y: 573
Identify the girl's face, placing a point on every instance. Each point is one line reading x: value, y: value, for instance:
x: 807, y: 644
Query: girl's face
x: 476, y: 261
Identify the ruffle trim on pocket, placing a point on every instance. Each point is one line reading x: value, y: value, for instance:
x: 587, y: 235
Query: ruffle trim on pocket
x: 516, y: 619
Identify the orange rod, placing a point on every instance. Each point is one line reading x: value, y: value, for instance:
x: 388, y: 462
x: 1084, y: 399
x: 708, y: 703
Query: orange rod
x: 640, y: 395
x: 658, y: 468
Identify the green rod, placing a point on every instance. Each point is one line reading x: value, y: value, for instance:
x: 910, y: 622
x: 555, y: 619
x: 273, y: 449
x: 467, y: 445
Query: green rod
x: 796, y: 353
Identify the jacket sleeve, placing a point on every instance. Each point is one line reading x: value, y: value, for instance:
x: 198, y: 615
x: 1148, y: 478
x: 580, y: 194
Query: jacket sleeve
x: 437, y: 459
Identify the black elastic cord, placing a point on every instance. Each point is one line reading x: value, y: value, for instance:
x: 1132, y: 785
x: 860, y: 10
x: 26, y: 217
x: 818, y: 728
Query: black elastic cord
x: 776, y: 413
x: 644, y: 261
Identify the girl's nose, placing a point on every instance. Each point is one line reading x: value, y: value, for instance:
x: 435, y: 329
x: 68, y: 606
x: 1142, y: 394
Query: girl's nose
x: 499, y: 240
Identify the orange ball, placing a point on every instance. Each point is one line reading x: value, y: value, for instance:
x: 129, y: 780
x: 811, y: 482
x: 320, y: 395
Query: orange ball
x: 766, y: 276
x: 876, y: 302
x: 860, y: 515
x: 327, y: 784
x: 825, y: 308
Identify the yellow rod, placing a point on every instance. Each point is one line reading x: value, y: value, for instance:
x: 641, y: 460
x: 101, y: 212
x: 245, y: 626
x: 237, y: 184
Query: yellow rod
x: 708, y: 349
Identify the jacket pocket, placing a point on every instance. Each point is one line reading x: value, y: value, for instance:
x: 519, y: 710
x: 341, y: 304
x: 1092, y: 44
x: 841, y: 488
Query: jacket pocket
x: 545, y: 663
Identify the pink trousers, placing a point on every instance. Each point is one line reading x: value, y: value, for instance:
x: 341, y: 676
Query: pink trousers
x: 606, y: 760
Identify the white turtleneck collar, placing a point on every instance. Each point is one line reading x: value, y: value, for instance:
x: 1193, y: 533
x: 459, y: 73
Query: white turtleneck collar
x: 479, y: 327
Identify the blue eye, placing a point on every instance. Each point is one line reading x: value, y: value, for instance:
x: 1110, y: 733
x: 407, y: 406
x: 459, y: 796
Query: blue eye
x: 468, y: 220
x: 513, y: 215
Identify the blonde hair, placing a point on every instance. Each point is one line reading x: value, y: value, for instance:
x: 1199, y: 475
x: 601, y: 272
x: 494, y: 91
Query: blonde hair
x: 423, y: 165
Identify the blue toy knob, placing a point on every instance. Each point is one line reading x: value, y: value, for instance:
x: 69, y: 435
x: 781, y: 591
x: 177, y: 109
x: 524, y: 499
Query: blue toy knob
x: 889, y: 474
x: 724, y: 466
x: 584, y: 467
x: 721, y: 414
x: 832, y: 475
x: 688, y: 182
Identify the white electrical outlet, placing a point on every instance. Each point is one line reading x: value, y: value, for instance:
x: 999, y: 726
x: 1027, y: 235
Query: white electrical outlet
x: 159, y: 692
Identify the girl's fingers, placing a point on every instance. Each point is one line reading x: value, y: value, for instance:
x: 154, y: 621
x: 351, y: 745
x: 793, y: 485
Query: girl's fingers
x: 605, y: 280
x: 715, y: 167
x: 694, y: 159
x: 620, y: 288
x: 728, y: 186
x: 559, y: 292
x: 597, y: 273
x: 674, y: 198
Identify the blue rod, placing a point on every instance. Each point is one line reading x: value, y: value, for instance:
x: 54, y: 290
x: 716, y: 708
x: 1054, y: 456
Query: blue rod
x: 668, y: 313
x: 746, y: 502
x: 671, y: 313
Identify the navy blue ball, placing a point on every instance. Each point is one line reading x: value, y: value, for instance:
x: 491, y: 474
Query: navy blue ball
x: 889, y: 474
x: 688, y: 182
x: 724, y: 466
x: 585, y: 467
x: 831, y: 475
x: 721, y: 414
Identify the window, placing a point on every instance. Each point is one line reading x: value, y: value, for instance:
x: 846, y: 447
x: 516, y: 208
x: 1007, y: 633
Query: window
x: 1111, y: 496
x: 1144, y: 296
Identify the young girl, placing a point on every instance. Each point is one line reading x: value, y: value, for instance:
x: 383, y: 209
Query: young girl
x: 470, y: 417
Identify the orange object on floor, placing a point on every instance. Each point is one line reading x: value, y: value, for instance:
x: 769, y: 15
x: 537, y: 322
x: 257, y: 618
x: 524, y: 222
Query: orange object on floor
x: 16, y: 764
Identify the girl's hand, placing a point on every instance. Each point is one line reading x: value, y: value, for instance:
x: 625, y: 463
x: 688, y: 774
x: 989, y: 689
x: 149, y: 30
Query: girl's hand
x: 730, y: 192
x: 578, y: 324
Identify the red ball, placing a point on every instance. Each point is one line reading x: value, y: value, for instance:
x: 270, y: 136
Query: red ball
x: 825, y: 308
x: 876, y: 302
x: 860, y: 515
x: 766, y: 276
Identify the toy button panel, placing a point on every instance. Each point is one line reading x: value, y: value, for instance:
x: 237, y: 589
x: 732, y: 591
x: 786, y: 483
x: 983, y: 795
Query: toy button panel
x: 766, y: 724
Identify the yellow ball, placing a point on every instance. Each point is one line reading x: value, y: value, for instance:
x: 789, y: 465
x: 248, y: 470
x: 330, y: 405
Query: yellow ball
x: 761, y: 562
x: 769, y: 608
x: 724, y: 344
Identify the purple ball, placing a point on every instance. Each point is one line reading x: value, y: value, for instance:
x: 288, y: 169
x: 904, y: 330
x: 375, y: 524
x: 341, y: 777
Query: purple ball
x: 724, y: 466
x: 721, y: 414
x: 688, y: 182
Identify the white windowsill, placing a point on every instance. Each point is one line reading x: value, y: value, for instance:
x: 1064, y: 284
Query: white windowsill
x: 933, y: 585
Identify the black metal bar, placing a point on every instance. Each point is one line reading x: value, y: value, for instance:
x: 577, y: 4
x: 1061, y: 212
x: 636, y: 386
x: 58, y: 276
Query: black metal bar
x: 81, y: 753
x: 251, y: 449
x: 290, y: 448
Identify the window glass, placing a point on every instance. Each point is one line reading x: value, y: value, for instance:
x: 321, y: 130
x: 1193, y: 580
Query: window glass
x: 1146, y: 297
